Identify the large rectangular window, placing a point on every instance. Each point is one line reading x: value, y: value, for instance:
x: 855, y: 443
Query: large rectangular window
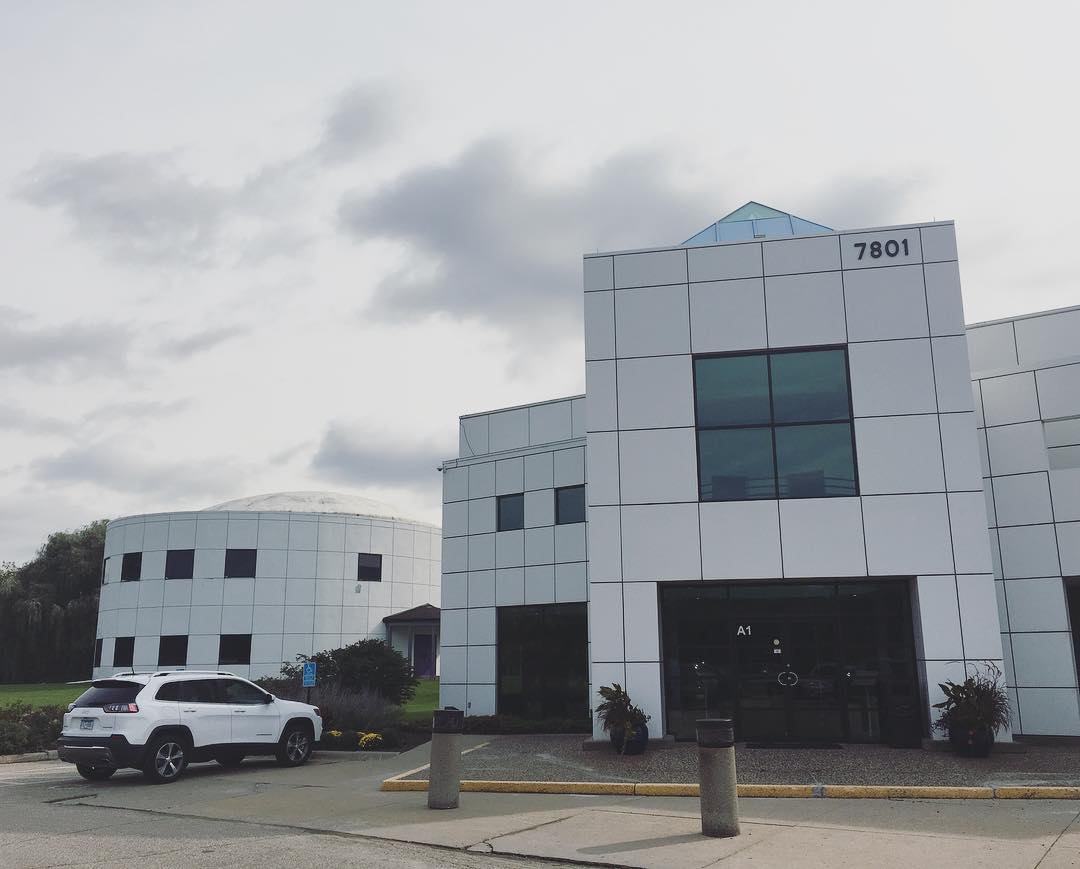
x: 97, y: 651
x: 543, y: 662
x: 123, y: 651
x: 172, y: 651
x: 234, y: 649
x: 240, y: 563
x: 369, y: 567
x: 180, y: 564
x: 131, y: 567
x: 774, y: 425
x: 569, y: 505
x: 510, y: 510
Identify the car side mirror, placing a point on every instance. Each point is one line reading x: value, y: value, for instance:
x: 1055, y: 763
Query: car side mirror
x: 269, y: 698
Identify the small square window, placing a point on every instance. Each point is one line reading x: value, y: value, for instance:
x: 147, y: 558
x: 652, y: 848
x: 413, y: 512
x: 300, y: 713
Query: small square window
x: 234, y: 649
x: 97, y: 651
x: 511, y: 512
x: 172, y: 652
x: 240, y: 563
x: 123, y: 652
x: 369, y: 567
x: 180, y: 564
x: 131, y: 569
x: 569, y: 505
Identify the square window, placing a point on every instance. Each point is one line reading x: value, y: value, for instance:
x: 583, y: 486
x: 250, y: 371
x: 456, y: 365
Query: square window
x: 369, y: 567
x: 240, y: 563
x: 814, y: 461
x: 180, y: 564
x: 234, y: 649
x: 569, y: 505
x: 736, y: 464
x: 131, y: 569
x: 123, y: 652
x: 774, y: 425
x: 172, y: 652
x: 810, y: 387
x: 511, y: 512
x: 98, y: 643
x: 732, y: 390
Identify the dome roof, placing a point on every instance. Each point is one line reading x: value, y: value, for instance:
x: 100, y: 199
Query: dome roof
x: 314, y: 502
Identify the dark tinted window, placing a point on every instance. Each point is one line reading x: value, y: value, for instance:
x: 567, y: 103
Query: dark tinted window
x: 131, y: 569
x: 169, y: 692
x: 199, y: 691
x: 543, y: 661
x: 104, y: 565
x: 234, y: 649
x: 569, y: 505
x: 511, y: 512
x: 242, y: 693
x: 180, y: 564
x: 123, y: 652
x: 108, y: 691
x: 240, y: 562
x: 774, y: 425
x: 369, y: 566
x: 172, y: 652
x: 732, y: 390
x: 97, y: 652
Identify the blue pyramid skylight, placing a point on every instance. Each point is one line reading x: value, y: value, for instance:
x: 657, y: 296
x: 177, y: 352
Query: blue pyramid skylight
x: 754, y: 220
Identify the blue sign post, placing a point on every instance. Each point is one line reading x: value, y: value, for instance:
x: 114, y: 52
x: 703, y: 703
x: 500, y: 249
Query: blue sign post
x: 309, y: 678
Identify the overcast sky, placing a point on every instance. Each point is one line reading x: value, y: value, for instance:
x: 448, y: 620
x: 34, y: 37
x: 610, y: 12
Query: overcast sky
x: 254, y: 247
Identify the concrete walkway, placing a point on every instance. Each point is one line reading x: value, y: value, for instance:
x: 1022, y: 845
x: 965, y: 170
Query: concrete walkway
x: 339, y: 795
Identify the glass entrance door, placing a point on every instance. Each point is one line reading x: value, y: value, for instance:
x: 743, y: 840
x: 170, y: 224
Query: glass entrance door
x: 792, y: 662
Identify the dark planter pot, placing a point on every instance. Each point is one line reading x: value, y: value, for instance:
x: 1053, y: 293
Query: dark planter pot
x: 971, y: 741
x: 636, y: 744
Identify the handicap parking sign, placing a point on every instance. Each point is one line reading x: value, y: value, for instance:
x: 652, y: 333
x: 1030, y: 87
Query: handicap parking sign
x: 309, y: 674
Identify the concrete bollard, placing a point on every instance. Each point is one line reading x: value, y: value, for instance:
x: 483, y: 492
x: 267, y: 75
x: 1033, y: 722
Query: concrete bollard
x: 444, y: 785
x: 716, y: 769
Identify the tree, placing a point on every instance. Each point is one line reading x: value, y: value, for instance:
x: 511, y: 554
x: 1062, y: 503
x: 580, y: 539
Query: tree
x: 48, y: 608
x: 369, y: 664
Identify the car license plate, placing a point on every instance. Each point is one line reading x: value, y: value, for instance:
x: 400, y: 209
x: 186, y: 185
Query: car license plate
x: 86, y: 724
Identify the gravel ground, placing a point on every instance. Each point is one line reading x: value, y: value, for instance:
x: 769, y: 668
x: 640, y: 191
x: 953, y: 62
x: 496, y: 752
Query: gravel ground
x: 561, y: 758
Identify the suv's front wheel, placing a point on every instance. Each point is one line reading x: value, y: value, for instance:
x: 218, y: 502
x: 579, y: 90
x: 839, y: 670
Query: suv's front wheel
x: 295, y: 745
x: 166, y: 759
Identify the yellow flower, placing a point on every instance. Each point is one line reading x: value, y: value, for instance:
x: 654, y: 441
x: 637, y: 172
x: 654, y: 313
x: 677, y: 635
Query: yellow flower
x: 368, y: 741
x: 335, y: 733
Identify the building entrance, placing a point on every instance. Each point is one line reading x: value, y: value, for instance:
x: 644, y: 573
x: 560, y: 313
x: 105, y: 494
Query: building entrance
x: 813, y: 662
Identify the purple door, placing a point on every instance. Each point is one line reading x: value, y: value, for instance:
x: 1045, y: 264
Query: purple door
x: 424, y: 655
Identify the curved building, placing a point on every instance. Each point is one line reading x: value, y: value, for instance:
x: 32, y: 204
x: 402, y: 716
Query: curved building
x: 252, y: 583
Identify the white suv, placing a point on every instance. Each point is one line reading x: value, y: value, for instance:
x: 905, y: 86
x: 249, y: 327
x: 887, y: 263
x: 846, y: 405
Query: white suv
x: 160, y: 722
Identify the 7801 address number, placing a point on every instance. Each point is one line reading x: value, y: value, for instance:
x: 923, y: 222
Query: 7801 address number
x: 876, y: 249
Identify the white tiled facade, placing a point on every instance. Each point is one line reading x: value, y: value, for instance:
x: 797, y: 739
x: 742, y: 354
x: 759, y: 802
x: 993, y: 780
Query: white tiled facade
x: 304, y: 597
x: 1027, y: 394
x: 969, y: 499
x: 531, y: 450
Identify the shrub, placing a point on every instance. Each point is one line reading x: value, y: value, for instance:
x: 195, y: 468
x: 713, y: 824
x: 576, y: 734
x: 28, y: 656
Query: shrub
x: 14, y: 737
x: 356, y: 710
x: 41, y: 725
x: 980, y: 701
x: 369, y: 664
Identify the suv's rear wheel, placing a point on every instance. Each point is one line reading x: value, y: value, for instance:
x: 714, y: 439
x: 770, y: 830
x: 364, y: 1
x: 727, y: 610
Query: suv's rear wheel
x: 166, y: 759
x: 94, y: 773
x: 295, y: 745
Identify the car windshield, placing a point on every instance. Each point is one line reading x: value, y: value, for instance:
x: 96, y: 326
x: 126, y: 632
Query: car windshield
x: 108, y: 691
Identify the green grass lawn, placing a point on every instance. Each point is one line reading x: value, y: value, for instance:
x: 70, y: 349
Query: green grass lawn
x: 419, y: 709
x: 41, y: 694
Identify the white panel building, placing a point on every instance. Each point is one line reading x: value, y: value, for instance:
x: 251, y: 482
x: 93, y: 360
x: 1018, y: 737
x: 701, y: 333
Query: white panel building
x: 786, y: 516
x: 250, y: 584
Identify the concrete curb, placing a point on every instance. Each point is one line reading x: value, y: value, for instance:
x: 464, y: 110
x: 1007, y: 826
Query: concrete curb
x: 28, y: 758
x: 836, y: 792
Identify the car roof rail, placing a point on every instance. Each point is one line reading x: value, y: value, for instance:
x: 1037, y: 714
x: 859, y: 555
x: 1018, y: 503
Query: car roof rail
x: 196, y: 672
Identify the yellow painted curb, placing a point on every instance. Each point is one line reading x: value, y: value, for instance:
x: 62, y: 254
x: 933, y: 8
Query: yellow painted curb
x: 781, y: 791
x: 1037, y: 793
x: 749, y: 791
x: 908, y: 792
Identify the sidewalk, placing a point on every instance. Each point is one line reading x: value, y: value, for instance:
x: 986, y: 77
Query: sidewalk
x: 343, y: 797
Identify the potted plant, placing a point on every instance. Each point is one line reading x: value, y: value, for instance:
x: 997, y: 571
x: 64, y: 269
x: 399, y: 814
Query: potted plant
x: 973, y: 710
x: 624, y: 722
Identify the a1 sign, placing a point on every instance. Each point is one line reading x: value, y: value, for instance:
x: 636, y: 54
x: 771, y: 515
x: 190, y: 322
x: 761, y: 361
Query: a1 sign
x: 309, y: 674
